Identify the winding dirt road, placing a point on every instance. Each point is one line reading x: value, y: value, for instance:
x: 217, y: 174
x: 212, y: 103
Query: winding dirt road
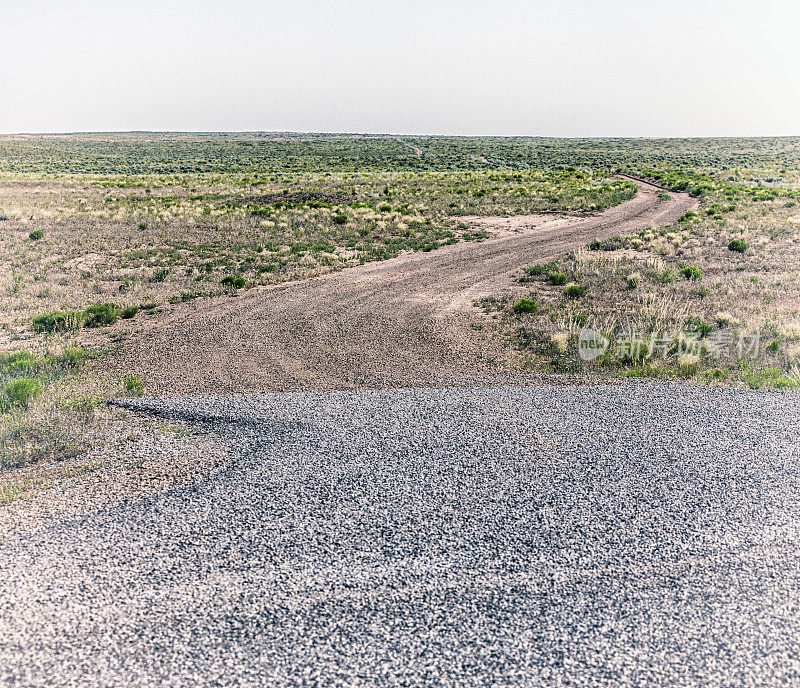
x: 399, y: 322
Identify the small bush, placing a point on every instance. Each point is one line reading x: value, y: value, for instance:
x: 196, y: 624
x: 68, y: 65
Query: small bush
x: 22, y: 391
x: 575, y: 291
x: 101, y: 314
x: 142, y: 225
x: 232, y: 282
x: 340, y: 219
x: 385, y: 208
x: 613, y: 244
x: 20, y: 363
x: 73, y: 356
x: 692, y: 273
x: 580, y: 319
x: 525, y: 306
x: 128, y: 312
x: 633, y: 280
x: 134, y: 385
x: 58, y: 321
x: 560, y: 342
x: 36, y: 234
x: 665, y: 276
x: 698, y: 326
x: 542, y: 269
x: 688, y: 363
x: 774, y: 346
x: 737, y: 246
x: 557, y: 278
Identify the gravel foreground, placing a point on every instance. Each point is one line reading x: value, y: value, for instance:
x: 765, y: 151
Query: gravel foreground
x: 602, y: 535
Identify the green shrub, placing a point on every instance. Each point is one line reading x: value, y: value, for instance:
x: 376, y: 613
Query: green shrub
x: 692, y: 272
x: 36, y: 234
x: 580, y: 319
x: 633, y: 280
x: 613, y: 244
x: 542, y: 269
x: 20, y: 363
x: 715, y: 374
x: 385, y: 208
x: 774, y: 346
x: 340, y: 218
x: 142, y: 225
x: 72, y: 356
x: 101, y: 314
x: 232, y: 282
x: 22, y: 391
x: 525, y: 306
x: 665, y: 276
x: 575, y: 291
x: 738, y: 246
x: 57, y: 321
x: 134, y: 385
x: 698, y: 326
x: 557, y: 278
x: 128, y: 312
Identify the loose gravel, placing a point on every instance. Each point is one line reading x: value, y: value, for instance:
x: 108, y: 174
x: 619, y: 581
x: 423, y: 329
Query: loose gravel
x: 638, y: 535
x: 403, y: 322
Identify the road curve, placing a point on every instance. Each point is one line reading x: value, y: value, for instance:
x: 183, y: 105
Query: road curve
x: 398, y: 322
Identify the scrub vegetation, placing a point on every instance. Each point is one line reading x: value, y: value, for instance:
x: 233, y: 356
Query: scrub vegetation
x: 99, y: 230
x: 715, y: 298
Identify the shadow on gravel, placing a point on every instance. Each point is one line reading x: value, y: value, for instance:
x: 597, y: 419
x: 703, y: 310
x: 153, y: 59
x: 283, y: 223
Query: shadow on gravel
x: 598, y: 535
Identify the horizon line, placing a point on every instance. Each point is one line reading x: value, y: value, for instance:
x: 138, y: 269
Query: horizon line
x: 222, y: 132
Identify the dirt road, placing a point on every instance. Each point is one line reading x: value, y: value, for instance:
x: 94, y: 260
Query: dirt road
x: 400, y: 322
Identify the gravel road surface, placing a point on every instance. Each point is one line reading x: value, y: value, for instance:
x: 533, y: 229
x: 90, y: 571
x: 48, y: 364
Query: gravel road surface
x: 394, y: 323
x: 638, y: 535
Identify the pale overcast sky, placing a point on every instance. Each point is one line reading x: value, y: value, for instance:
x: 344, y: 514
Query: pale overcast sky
x: 508, y: 67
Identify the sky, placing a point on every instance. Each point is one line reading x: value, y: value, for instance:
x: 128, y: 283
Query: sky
x: 506, y: 67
